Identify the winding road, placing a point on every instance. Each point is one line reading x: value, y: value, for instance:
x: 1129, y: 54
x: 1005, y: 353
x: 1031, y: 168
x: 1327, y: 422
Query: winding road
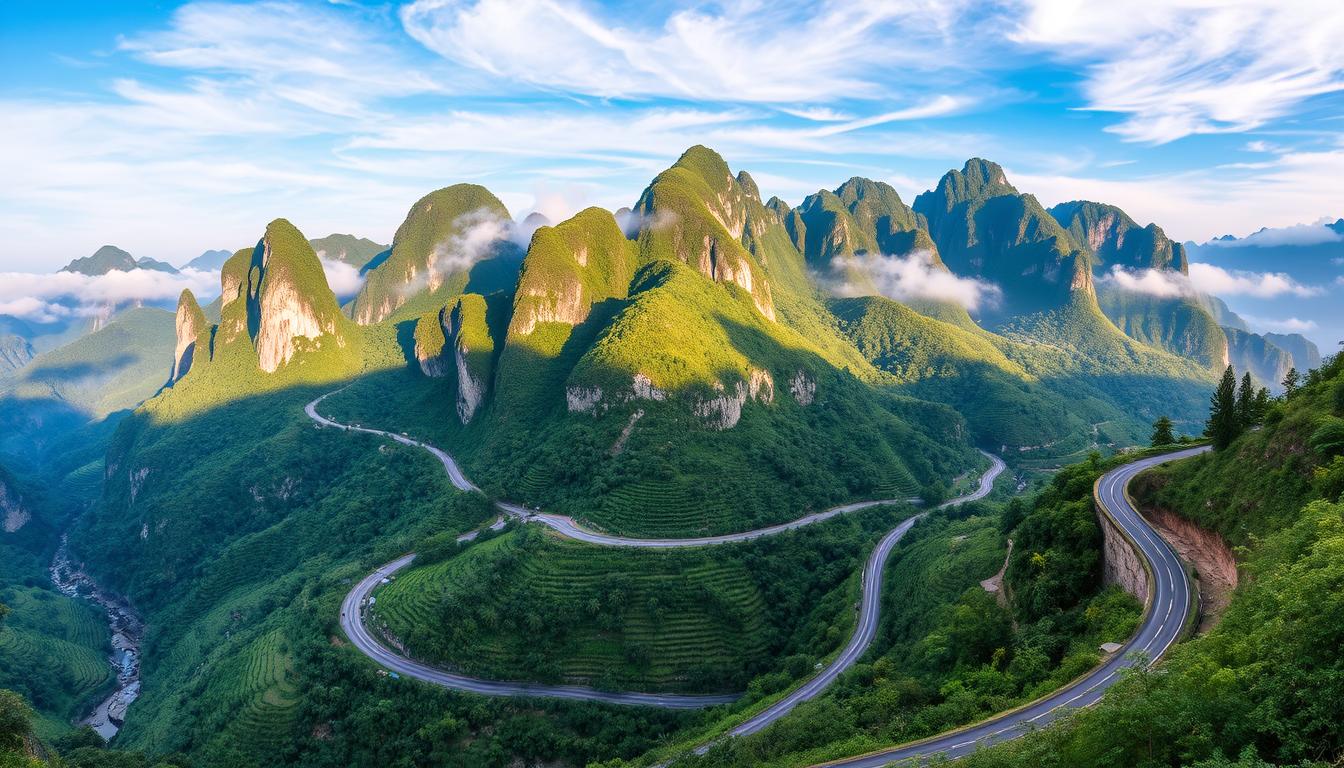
x: 1161, y: 626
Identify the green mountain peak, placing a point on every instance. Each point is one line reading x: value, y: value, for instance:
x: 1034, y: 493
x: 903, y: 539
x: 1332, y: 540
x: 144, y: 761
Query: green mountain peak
x: 451, y: 237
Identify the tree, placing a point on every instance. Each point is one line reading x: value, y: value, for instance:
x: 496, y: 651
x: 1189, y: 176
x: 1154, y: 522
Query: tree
x: 1261, y: 406
x: 1223, y: 425
x: 15, y: 716
x: 1246, y: 402
x: 1162, y: 434
x: 1291, y: 380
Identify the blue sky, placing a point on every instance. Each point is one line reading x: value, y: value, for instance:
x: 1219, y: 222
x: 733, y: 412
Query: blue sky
x: 170, y: 128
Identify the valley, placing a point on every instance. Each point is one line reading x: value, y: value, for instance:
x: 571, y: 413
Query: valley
x: 690, y: 483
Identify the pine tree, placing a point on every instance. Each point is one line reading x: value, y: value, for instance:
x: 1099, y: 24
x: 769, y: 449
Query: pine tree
x: 1223, y: 426
x: 1261, y: 405
x: 1291, y: 380
x: 1162, y: 434
x: 1246, y: 402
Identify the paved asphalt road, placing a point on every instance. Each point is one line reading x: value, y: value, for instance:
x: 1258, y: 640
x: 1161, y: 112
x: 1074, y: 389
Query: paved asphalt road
x: 1162, y: 623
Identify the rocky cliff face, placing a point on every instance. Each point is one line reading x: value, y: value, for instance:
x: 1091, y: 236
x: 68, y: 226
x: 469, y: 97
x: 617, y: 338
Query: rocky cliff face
x: 193, y: 334
x: 290, y: 294
x: 724, y: 410
x: 698, y: 213
x: 1116, y: 239
x: 431, y: 343
x: 14, y: 514
x: 465, y: 328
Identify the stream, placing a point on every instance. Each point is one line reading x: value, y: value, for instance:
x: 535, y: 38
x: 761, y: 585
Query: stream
x: 127, y: 631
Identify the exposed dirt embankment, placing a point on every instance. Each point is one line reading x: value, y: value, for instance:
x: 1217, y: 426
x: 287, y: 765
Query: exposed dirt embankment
x: 1208, y: 553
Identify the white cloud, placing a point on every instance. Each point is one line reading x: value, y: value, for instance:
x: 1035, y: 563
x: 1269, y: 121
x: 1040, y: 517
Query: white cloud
x: 910, y: 277
x: 1209, y: 279
x: 344, y: 279
x: 318, y: 59
x: 1296, y: 234
x: 477, y: 236
x: 736, y: 51
x: 1199, y: 205
x: 1181, y: 67
x: 47, y: 297
x: 1152, y: 282
x: 1286, y: 325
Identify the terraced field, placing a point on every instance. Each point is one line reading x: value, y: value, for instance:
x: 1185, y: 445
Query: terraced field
x: 269, y: 697
x: 536, y: 607
x: 660, y: 510
x: 55, y: 648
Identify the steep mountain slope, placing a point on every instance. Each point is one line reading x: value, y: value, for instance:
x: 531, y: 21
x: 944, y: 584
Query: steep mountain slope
x: 1002, y: 402
x: 1265, y: 361
x: 15, y: 352
x: 984, y: 227
x: 453, y: 240
x: 1177, y: 324
x: 629, y: 366
x: 1303, y: 351
x: 1115, y: 239
x: 847, y: 237
x: 45, y: 405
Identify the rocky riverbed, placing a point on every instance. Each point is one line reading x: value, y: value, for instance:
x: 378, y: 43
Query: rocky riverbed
x: 127, y: 631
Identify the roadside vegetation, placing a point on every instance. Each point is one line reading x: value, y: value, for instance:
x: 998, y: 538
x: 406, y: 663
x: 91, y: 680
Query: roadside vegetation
x: 1263, y: 687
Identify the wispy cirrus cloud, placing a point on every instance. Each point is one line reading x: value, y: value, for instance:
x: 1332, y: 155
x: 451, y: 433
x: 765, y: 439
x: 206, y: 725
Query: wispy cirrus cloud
x: 1181, y: 67
x: 736, y: 51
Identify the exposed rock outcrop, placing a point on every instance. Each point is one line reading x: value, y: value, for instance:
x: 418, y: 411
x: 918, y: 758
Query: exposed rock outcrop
x: 718, y: 216
x: 724, y: 410
x: 445, y: 236
x: 289, y: 297
x: 803, y: 388
x: 594, y: 400
x: 13, y: 511
x: 465, y: 328
x: 193, y: 334
x: 569, y: 268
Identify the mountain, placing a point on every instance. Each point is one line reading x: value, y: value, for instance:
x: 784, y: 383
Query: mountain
x: 110, y: 258
x: 1306, y: 356
x: 1115, y: 239
x: 57, y: 412
x: 984, y: 227
x: 358, y: 252
x: 448, y: 244
x: 15, y: 352
x: 208, y: 261
x: 1265, y: 361
x: 847, y: 236
x: 274, y: 304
